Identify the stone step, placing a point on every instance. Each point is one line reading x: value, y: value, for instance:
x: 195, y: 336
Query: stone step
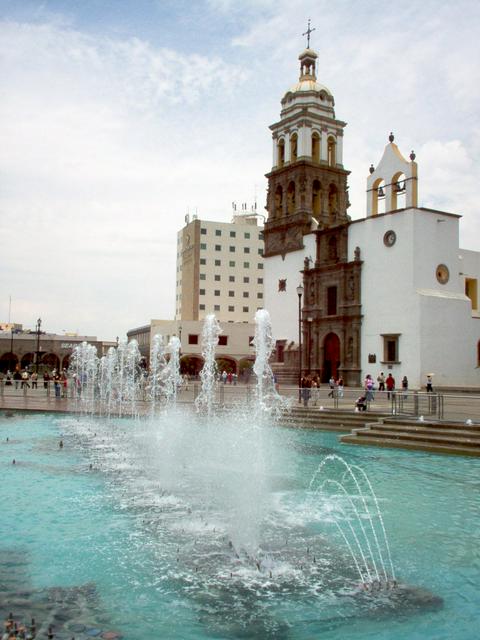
x: 402, y: 435
x: 450, y: 449
x: 427, y: 431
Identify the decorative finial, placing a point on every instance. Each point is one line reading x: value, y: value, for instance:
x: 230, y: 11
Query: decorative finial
x: 412, y: 155
x: 372, y: 168
x: 307, y: 33
x: 391, y: 137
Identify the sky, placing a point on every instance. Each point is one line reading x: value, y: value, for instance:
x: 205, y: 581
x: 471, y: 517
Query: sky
x: 118, y: 117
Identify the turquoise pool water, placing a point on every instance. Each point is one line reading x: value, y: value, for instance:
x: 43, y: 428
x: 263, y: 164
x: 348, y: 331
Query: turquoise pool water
x: 130, y: 532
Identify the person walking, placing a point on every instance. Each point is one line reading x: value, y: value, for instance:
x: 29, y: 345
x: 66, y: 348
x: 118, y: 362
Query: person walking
x: 405, y: 386
x: 340, y: 386
x: 390, y: 384
x: 381, y: 381
x: 331, y: 384
x: 368, y: 386
x: 25, y: 379
x: 306, y: 385
x: 429, y: 383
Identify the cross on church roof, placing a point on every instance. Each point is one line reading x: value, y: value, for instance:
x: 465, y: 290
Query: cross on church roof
x: 307, y: 33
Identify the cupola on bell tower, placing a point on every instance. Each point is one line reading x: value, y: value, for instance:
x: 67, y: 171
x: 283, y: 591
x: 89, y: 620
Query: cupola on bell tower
x: 307, y: 186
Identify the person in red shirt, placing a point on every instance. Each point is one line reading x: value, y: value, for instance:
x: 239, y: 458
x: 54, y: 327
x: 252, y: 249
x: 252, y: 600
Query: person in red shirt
x: 390, y: 384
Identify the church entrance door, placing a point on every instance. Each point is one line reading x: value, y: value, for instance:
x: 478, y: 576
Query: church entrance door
x: 331, y: 358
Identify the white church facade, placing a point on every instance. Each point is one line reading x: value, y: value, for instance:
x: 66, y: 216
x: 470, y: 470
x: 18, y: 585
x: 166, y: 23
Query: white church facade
x: 390, y: 292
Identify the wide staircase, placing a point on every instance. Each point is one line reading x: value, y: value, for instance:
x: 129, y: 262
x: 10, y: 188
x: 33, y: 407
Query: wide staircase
x: 437, y: 437
x: 384, y: 430
x: 327, y: 419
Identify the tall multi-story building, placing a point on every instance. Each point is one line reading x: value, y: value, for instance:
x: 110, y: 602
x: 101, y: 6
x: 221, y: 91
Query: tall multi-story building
x: 220, y: 269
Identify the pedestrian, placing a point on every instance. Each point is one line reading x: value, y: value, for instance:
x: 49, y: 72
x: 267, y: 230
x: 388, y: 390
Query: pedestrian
x: 8, y: 383
x: 331, y: 384
x: 429, y: 382
x: 17, y: 377
x: 340, y: 386
x: 25, y: 379
x: 57, y: 385
x: 361, y: 403
x: 34, y: 379
x: 381, y: 381
x: 305, y: 385
x: 368, y: 386
x: 390, y: 384
x: 46, y: 379
x: 405, y: 386
x: 224, y: 376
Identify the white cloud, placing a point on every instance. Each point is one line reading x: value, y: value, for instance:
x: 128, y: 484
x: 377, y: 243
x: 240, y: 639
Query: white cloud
x: 106, y: 141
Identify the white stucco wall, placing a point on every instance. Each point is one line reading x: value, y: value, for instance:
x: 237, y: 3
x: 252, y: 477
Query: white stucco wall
x: 283, y: 305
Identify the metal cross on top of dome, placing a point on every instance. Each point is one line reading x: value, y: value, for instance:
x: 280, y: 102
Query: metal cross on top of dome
x: 307, y: 33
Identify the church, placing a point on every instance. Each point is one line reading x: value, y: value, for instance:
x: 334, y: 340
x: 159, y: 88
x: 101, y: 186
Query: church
x: 391, y: 292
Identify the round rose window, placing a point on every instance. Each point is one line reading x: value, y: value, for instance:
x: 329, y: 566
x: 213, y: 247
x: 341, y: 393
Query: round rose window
x: 443, y: 274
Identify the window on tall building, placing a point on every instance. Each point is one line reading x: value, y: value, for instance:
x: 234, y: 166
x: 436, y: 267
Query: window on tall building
x: 216, y: 292
x: 222, y: 341
x: 231, y: 294
x: 231, y: 248
x: 203, y: 231
x: 203, y: 261
x: 216, y: 277
x: 391, y: 347
x: 203, y: 276
x: 259, y: 294
x: 231, y: 278
x: 246, y: 235
x: 216, y: 307
x: 331, y: 301
x: 231, y: 263
x: 260, y: 252
x: 246, y: 294
x: 246, y: 279
x: 259, y: 280
x: 203, y: 245
x: 260, y: 265
x: 218, y: 247
x: 231, y: 308
x: 233, y: 234
x: 193, y: 338
x: 246, y: 265
x: 218, y: 232
x: 218, y: 263
x: 246, y: 249
x: 260, y: 235
x: 245, y: 309
x: 201, y: 307
x: 202, y: 292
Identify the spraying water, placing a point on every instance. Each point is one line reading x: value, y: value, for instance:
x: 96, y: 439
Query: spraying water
x: 208, y: 375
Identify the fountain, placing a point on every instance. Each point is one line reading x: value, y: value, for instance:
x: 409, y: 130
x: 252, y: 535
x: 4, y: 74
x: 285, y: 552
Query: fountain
x: 210, y: 483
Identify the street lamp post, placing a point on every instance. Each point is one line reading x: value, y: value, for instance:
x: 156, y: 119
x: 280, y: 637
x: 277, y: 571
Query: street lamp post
x: 39, y: 324
x: 299, y: 294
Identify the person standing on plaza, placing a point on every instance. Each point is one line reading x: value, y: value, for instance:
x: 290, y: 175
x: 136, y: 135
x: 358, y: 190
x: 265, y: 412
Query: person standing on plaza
x: 429, y: 382
x: 25, y: 379
x: 381, y: 381
x: 17, y: 377
x: 340, y: 386
x: 368, y: 386
x: 331, y: 384
x: 405, y: 385
x: 57, y: 385
x: 390, y: 384
x: 46, y: 379
x: 34, y: 379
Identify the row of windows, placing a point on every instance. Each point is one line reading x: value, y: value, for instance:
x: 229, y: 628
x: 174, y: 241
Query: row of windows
x: 231, y: 294
x: 231, y: 308
x: 231, y: 248
x: 217, y: 278
x: 232, y: 263
x: 232, y: 234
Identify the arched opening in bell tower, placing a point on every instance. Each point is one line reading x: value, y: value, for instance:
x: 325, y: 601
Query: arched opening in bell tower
x: 331, y: 151
x: 399, y: 191
x: 331, y: 357
x: 293, y: 147
x: 317, y: 200
x: 378, y: 197
x: 281, y: 153
x: 291, y: 198
x: 315, y: 147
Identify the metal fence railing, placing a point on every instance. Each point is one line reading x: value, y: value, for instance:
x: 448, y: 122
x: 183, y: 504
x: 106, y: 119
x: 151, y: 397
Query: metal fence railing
x: 410, y: 404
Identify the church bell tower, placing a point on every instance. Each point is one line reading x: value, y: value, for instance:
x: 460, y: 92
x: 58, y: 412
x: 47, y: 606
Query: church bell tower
x: 307, y: 186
